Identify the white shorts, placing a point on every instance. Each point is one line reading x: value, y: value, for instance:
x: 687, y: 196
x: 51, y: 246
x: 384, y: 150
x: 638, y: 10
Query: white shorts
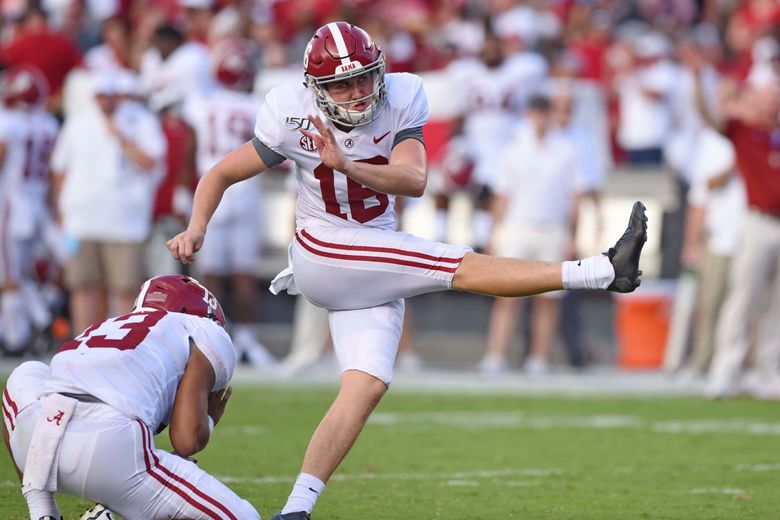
x: 362, y: 275
x: 356, y: 268
x: 367, y: 339
x: 109, y: 458
x: 233, y: 240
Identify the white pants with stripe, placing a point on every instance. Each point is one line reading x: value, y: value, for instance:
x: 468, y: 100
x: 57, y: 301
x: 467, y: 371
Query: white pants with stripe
x: 109, y: 458
x: 362, y: 275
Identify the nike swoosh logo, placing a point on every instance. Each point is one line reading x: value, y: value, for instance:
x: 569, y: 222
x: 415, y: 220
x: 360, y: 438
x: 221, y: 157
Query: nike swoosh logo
x: 377, y: 139
x: 579, y: 262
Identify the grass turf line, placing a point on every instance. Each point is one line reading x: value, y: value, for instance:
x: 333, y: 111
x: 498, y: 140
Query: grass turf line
x: 484, y: 456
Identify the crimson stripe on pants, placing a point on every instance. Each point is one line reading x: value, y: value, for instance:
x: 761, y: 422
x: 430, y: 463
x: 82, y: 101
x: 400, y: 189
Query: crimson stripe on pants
x: 379, y: 259
x: 151, y: 470
x: 10, y: 419
x: 11, y: 402
x: 6, y: 411
x: 192, y: 488
x: 377, y: 249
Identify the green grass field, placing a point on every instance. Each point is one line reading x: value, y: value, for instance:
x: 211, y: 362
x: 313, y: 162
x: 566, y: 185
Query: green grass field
x: 439, y: 455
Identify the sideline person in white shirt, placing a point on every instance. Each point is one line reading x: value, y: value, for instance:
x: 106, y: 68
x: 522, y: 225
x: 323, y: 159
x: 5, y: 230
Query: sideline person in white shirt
x: 106, y: 165
x: 535, y: 208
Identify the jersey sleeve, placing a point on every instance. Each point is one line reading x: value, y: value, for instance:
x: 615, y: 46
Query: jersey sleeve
x: 268, y: 125
x: 414, y: 113
x: 216, y: 345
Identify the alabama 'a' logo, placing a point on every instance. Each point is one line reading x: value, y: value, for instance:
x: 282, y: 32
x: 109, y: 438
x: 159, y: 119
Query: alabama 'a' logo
x: 307, y: 143
x: 57, y: 418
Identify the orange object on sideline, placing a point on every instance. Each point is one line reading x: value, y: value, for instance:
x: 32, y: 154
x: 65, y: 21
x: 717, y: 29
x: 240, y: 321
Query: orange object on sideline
x: 641, y: 325
x: 60, y: 329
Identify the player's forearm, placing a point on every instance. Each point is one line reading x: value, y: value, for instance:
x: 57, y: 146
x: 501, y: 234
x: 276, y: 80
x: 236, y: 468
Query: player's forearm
x: 239, y: 165
x: 188, y: 442
x: 208, y: 195
x: 393, y: 179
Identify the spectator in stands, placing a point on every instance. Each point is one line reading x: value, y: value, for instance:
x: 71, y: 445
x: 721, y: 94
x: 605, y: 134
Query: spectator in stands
x: 535, y: 212
x: 113, y: 52
x: 644, y: 83
x: 715, y: 209
x: 197, y: 16
x: 53, y: 53
x: 751, y: 123
x: 680, y: 149
x: 174, y: 67
x: 106, y: 164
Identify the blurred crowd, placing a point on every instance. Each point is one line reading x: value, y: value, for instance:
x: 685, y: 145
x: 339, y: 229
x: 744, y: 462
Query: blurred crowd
x: 114, y: 108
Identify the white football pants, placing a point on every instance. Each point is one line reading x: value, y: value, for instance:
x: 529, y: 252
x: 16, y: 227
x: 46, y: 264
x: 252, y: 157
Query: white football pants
x: 109, y: 458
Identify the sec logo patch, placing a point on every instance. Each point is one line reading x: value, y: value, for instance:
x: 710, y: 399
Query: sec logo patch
x: 307, y: 144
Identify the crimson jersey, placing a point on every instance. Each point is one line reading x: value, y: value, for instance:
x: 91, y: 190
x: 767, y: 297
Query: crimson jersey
x: 326, y: 197
x: 135, y: 362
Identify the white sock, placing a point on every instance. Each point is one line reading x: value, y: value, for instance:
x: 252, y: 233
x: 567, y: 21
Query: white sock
x: 595, y: 272
x: 40, y: 503
x: 305, y: 492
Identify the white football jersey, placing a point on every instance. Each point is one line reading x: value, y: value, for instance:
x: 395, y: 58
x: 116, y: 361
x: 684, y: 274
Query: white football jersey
x: 28, y: 138
x: 491, y: 100
x: 135, y: 362
x: 326, y: 197
x: 222, y: 119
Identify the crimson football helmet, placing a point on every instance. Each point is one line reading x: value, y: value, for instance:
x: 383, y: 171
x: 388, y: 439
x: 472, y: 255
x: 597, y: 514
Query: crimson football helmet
x: 179, y: 293
x: 338, y: 51
x: 234, y: 65
x: 23, y: 86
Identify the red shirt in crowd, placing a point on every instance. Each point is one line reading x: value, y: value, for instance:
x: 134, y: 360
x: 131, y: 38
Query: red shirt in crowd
x: 180, y: 138
x: 758, y: 160
x: 53, y: 53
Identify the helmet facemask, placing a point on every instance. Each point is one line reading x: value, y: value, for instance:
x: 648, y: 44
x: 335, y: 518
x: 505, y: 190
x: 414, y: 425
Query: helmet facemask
x: 337, y: 111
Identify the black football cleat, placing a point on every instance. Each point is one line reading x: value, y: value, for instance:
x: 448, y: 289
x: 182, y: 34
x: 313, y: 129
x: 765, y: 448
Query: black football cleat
x: 624, y: 257
x: 298, y: 515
